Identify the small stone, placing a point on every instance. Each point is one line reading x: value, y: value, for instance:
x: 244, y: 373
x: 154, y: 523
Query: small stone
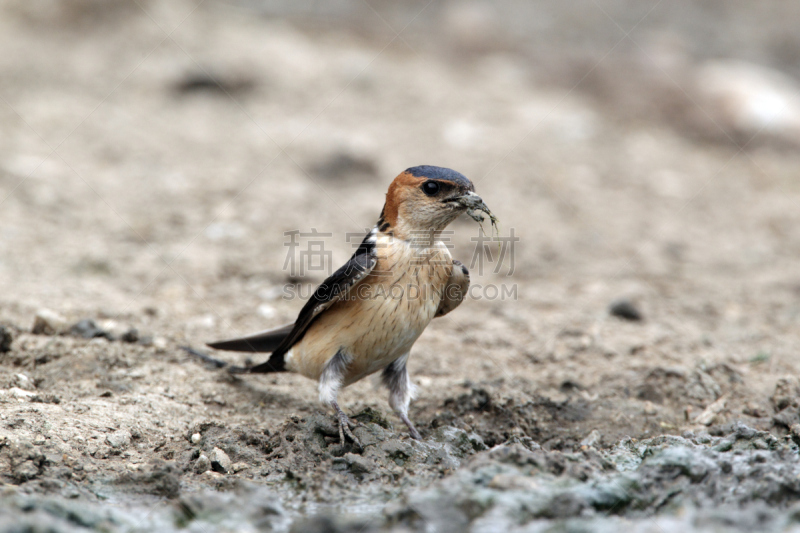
x: 160, y: 344
x: 17, y: 393
x: 754, y: 410
x: 592, y: 439
x: 745, y: 432
x: 794, y: 433
x: 132, y: 335
x: 238, y: 467
x: 24, y: 382
x: 196, y: 438
x: 787, y: 392
x: 398, y: 451
x: 38, y: 440
x: 210, y: 476
x: 202, y: 464
x: 747, y: 99
x: 119, y: 439
x: 220, y: 462
x: 48, y: 322
x: 786, y: 418
x: 25, y: 471
x: 626, y: 310
x: 222, y: 83
x: 357, y: 464
x: 344, y: 165
x: 709, y: 415
x: 46, y: 398
x: 146, y: 340
x: 87, y: 329
x: 5, y: 339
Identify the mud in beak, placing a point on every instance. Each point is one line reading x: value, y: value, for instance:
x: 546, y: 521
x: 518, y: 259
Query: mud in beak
x: 474, y: 205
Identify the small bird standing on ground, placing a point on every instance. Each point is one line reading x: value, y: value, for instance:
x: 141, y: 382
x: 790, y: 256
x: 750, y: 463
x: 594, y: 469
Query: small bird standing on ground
x: 368, y: 314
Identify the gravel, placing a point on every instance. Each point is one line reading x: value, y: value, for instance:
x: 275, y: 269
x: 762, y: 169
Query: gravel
x: 745, y: 480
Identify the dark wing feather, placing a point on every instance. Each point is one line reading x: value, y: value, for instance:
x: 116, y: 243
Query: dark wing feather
x: 263, y: 341
x: 455, y: 290
x: 328, y: 293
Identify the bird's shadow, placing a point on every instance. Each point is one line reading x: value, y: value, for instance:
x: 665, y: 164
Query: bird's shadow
x: 258, y: 394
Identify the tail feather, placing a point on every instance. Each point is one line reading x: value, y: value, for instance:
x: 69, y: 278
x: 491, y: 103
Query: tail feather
x: 275, y: 363
x: 263, y: 341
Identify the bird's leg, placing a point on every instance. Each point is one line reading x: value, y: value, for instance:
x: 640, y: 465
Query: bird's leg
x: 411, y: 429
x: 329, y: 384
x: 401, y: 391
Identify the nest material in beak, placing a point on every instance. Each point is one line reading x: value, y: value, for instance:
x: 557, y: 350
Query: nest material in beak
x: 475, y: 205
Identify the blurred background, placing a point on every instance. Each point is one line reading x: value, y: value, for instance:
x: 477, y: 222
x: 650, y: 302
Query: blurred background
x: 154, y: 153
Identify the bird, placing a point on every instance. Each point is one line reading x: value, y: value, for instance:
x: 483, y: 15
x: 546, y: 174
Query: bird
x: 368, y: 314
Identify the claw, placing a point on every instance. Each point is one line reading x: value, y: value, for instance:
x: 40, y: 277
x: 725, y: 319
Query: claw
x: 344, y: 427
x: 411, y: 429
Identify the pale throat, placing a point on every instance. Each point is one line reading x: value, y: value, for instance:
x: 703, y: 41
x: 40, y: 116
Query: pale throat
x: 418, y: 237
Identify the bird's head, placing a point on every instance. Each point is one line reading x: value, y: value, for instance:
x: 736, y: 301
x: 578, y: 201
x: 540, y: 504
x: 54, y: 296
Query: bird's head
x: 425, y: 199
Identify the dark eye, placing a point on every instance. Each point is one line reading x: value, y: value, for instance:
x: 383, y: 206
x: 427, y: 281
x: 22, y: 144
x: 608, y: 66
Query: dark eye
x: 430, y: 188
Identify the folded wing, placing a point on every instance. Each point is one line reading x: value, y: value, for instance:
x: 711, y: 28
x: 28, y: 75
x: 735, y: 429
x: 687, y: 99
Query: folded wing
x: 456, y: 289
x: 280, y: 340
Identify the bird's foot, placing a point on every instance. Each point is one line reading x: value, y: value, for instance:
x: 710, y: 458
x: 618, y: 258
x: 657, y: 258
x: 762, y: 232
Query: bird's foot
x: 345, y: 425
x: 411, y: 429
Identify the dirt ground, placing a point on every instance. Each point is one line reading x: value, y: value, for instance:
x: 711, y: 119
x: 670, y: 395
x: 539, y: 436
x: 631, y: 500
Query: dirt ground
x: 153, y: 155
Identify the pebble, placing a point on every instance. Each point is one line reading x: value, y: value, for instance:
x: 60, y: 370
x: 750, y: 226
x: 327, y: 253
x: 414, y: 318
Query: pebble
x: 750, y: 99
x: 132, y: 335
x: 794, y: 432
x: 160, y: 344
x: 202, y: 464
x: 357, y: 464
x: 626, y: 310
x: 220, y: 462
x: 48, y: 322
x: 210, y: 475
x: 344, y: 165
x: 787, y: 390
x: 195, y: 438
x: 223, y: 84
x: 87, y: 329
x: 5, y: 339
x: 17, y: 393
x: 266, y: 311
x: 119, y: 439
x: 238, y: 467
x: 592, y: 439
x: 24, y: 382
x: 710, y: 413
